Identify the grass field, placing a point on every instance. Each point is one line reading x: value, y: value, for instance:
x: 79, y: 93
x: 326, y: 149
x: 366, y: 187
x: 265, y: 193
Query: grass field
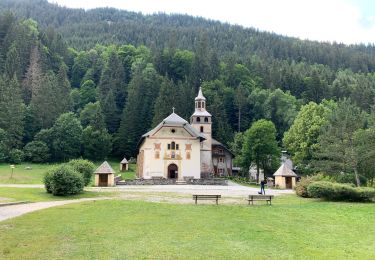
x: 292, y: 228
x: 22, y: 175
x: 36, y: 194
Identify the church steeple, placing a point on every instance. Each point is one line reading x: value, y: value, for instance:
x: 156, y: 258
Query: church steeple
x: 201, y: 120
x: 200, y: 101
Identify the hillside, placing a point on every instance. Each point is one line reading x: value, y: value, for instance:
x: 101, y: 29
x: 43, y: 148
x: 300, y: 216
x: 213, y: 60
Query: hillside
x: 90, y: 83
x: 84, y: 29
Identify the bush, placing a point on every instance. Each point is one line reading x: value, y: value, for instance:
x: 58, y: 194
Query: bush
x: 63, y: 180
x: 84, y: 167
x: 15, y: 156
x: 37, y: 151
x: 301, y: 186
x: 47, y: 182
x: 320, y: 189
x: 339, y: 192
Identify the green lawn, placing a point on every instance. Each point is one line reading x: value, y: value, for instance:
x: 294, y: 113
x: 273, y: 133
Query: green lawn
x: 36, y: 194
x: 292, y: 228
x: 22, y: 175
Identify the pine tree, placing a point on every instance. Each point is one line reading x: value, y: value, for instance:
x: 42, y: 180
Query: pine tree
x: 112, y: 91
x: 165, y: 101
x: 137, y: 115
x: 33, y: 75
x: 12, y: 112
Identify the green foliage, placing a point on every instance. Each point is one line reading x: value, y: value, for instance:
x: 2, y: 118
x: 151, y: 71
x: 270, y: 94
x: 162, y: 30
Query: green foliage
x: 301, y: 186
x: 349, y: 178
x: 302, y: 137
x: 364, y: 141
x: 84, y: 167
x: 260, y: 146
x: 37, y: 152
x: 336, y: 150
x: 87, y: 92
x: 67, y: 137
x: 92, y: 115
x: 15, y: 156
x: 339, y: 192
x: 63, y: 181
x: 97, y: 143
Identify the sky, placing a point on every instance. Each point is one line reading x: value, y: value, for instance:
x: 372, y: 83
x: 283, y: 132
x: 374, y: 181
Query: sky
x: 346, y: 21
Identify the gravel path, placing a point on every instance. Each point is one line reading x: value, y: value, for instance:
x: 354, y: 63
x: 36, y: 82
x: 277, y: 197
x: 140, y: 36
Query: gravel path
x: 232, y: 190
x: 13, y: 211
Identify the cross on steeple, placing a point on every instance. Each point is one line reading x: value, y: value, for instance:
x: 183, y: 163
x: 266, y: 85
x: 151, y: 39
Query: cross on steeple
x: 173, y: 109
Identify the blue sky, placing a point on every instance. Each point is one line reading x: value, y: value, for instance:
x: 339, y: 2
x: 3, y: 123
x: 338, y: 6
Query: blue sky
x: 347, y: 21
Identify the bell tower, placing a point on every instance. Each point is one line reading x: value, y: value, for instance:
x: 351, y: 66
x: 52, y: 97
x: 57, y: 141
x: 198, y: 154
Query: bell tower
x: 201, y: 120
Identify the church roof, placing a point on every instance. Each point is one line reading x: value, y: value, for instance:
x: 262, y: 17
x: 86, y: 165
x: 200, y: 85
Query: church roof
x: 173, y: 120
x: 215, y: 142
x: 124, y: 161
x: 105, y: 168
x: 200, y: 95
x: 201, y: 113
x: 285, y: 171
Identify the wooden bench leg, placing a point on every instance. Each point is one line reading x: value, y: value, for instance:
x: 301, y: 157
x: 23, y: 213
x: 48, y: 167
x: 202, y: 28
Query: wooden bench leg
x: 217, y: 201
x: 196, y: 199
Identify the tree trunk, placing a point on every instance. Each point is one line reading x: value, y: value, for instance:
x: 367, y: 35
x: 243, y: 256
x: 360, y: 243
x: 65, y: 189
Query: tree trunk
x: 239, y: 120
x: 357, y: 177
x: 257, y: 171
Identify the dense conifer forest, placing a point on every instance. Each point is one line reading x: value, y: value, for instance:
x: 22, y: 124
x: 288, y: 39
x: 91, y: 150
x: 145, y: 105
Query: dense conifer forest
x: 90, y: 83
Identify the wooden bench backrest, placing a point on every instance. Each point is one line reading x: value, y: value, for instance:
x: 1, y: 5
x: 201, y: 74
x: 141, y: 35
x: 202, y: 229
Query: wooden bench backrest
x: 206, y: 196
x: 260, y: 196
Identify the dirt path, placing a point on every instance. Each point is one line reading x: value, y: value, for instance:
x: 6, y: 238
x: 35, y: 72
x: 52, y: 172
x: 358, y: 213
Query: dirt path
x: 13, y: 211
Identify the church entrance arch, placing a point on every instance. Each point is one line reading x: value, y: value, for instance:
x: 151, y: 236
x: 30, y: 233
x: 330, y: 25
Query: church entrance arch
x: 172, y: 171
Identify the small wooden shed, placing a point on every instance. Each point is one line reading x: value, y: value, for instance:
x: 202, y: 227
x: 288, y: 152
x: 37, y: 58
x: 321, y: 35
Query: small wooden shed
x: 104, y: 175
x: 285, y: 178
x: 124, y: 165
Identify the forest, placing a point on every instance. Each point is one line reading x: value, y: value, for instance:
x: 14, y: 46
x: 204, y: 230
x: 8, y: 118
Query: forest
x: 90, y: 83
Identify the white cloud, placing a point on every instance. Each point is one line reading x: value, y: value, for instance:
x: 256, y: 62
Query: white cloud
x: 323, y: 20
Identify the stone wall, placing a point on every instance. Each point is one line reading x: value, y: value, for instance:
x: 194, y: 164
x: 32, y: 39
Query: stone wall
x: 163, y: 181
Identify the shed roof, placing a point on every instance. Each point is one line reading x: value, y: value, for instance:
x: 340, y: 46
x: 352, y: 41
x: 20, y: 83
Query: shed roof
x: 124, y: 161
x: 105, y: 168
x: 285, y: 171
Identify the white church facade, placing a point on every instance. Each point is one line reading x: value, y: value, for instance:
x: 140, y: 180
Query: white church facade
x: 177, y: 149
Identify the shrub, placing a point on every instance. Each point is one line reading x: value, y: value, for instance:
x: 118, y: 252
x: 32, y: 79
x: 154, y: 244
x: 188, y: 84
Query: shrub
x: 339, y: 192
x: 15, y: 156
x: 47, y: 182
x: 37, y: 151
x: 84, y: 167
x: 63, y: 180
x: 320, y: 189
x: 301, y: 186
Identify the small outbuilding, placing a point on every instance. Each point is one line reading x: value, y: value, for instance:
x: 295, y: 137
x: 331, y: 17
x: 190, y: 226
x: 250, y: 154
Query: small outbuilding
x: 124, y: 165
x: 104, y: 175
x: 285, y: 178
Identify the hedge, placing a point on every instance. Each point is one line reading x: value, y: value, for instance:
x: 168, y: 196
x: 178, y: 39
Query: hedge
x: 339, y: 192
x: 63, y: 180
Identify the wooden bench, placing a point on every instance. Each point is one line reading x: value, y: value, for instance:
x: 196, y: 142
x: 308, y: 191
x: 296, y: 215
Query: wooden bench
x: 206, y: 197
x: 253, y: 198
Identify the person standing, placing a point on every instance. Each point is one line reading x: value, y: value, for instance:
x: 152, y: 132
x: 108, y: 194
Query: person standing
x: 262, y: 184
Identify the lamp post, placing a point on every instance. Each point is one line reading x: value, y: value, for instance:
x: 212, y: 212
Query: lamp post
x: 12, y: 167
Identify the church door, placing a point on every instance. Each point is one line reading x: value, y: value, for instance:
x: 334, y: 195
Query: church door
x: 172, y: 171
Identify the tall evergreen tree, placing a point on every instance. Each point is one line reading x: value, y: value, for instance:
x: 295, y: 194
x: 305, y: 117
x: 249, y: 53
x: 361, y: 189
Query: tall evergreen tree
x: 12, y: 112
x: 138, y: 112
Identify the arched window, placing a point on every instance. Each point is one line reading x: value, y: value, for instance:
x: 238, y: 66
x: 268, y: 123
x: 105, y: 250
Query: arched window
x: 199, y: 104
x: 203, y: 104
x: 173, y: 145
x: 201, y: 129
x: 198, y: 119
x: 206, y: 119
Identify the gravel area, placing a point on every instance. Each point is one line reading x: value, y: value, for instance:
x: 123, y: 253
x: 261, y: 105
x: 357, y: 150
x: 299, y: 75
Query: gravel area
x: 232, y: 190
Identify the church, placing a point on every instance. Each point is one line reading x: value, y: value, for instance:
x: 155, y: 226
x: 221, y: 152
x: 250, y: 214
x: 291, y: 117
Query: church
x: 175, y: 149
